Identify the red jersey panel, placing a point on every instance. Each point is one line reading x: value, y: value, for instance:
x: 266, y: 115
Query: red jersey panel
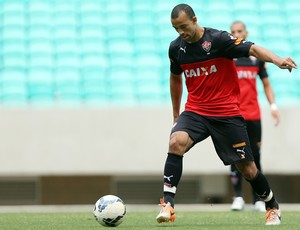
x: 212, y: 87
x: 248, y: 69
x: 210, y: 73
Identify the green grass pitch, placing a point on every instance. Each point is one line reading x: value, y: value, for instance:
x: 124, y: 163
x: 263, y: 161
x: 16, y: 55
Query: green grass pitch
x: 146, y: 220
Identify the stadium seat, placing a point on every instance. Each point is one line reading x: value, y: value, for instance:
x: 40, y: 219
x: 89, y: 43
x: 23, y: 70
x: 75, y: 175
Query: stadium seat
x: 91, y: 61
x: 41, y: 31
x: 40, y: 85
x: 142, y: 5
x: 93, y: 19
x: 118, y: 6
x: 123, y: 95
x: 121, y: 77
x: 293, y: 18
x: 15, y: 60
x: 144, y: 61
x: 271, y: 32
x: 11, y: 75
x: 92, y: 32
x: 120, y: 46
x: 40, y: 46
x: 13, y: 32
x: 68, y: 60
x: 252, y: 20
x: 147, y: 45
x: 67, y: 46
x: 118, y: 32
x: 126, y: 62
x: 65, y: 33
x: 13, y: 84
x: 144, y: 31
x: 40, y: 7
x: 95, y: 91
x: 14, y: 93
x: 67, y: 84
x: 13, y: 19
x: 218, y: 6
x: 117, y: 51
x: 65, y: 7
x: 14, y: 46
x: 13, y: 6
x: 92, y: 7
x: 94, y: 75
x: 41, y: 60
x: 270, y: 6
x: 65, y: 19
x: 92, y: 46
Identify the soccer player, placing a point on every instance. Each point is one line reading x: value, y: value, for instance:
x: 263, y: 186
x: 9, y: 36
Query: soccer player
x: 248, y: 68
x: 205, y: 56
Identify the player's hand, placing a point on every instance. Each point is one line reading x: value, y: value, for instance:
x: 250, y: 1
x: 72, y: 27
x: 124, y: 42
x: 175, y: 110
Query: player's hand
x: 287, y: 63
x: 276, y: 115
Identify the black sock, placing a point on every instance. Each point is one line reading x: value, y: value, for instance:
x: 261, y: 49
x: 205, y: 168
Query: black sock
x: 255, y: 197
x: 236, y: 180
x: 172, y: 175
x: 262, y: 188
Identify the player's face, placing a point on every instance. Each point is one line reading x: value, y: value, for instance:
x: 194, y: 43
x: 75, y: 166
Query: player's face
x: 238, y: 30
x: 185, y: 26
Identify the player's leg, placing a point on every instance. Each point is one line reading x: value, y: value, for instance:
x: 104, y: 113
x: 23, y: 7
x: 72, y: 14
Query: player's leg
x: 236, y: 179
x: 254, y: 133
x: 179, y: 143
x: 188, y: 131
x: 231, y: 141
x: 262, y: 188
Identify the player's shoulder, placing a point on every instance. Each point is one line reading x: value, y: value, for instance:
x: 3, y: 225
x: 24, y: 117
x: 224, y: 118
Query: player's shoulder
x: 217, y: 36
x: 175, y: 44
x: 213, y: 32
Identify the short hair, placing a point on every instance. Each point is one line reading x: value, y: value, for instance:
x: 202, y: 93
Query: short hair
x: 238, y: 22
x: 182, y: 8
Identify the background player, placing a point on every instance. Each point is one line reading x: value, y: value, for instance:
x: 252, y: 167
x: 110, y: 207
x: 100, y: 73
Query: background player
x: 205, y: 56
x: 248, y: 69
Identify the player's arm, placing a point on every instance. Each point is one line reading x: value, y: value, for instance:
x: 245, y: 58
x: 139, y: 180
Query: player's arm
x: 176, y: 94
x: 267, y: 56
x: 271, y: 98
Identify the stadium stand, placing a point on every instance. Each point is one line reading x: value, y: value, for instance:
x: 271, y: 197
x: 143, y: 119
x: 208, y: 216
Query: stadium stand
x: 98, y: 52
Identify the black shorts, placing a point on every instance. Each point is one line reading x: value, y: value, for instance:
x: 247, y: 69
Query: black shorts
x: 229, y: 134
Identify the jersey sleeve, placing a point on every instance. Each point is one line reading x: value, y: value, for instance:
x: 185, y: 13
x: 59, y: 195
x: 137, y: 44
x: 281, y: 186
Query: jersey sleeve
x: 262, y: 73
x: 174, y: 65
x: 232, y: 47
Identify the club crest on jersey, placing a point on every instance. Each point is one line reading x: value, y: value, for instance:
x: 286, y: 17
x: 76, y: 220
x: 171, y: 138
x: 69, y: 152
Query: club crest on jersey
x: 206, y: 46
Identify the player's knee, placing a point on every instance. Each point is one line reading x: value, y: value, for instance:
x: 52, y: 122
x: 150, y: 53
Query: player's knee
x: 249, y: 170
x: 177, y: 145
x: 250, y: 173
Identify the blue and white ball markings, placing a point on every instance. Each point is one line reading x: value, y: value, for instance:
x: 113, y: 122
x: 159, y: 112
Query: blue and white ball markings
x: 109, y: 211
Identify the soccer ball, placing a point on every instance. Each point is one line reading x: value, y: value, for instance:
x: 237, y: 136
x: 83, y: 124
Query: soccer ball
x: 109, y: 211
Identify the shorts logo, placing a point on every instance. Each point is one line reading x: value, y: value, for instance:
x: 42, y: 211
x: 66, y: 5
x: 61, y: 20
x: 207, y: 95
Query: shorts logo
x: 206, y: 46
x: 241, y: 152
x: 240, y: 149
x: 238, y: 145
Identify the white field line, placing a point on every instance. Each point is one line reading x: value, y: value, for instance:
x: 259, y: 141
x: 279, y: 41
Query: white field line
x: 131, y: 208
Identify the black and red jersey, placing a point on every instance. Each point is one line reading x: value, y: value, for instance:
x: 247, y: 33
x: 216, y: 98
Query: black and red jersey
x: 248, y: 68
x: 210, y: 73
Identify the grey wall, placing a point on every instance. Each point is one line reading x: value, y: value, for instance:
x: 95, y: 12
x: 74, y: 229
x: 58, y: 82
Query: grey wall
x: 123, y: 142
